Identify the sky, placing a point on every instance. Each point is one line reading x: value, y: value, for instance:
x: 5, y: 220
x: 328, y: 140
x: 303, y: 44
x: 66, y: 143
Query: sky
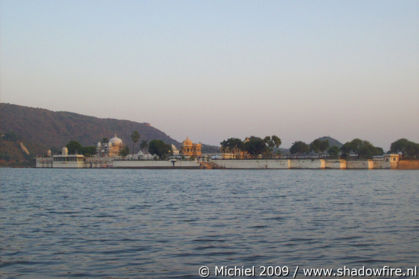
x: 212, y: 70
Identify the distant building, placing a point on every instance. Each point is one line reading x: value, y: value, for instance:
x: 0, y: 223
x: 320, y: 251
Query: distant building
x: 115, y: 146
x: 112, y: 148
x: 190, y: 149
x: 175, y: 151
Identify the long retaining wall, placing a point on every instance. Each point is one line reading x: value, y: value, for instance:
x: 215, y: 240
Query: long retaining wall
x: 408, y: 165
x: 155, y: 164
x: 360, y: 164
x: 336, y: 164
x: 271, y: 164
x: 378, y: 163
x: 252, y: 164
x: 307, y: 164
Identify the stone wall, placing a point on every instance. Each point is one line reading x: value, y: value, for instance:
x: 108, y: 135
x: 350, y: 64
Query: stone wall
x: 308, y: 164
x: 335, y: 164
x: 252, y: 164
x: 45, y: 162
x: 359, y: 164
x: 154, y: 164
x: 381, y: 164
x: 408, y: 165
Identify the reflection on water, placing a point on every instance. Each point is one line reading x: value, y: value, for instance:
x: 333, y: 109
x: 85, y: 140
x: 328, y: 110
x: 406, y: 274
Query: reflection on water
x: 167, y: 223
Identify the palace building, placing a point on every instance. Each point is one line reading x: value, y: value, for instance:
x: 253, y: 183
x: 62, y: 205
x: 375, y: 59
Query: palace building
x: 190, y: 149
x: 111, y: 148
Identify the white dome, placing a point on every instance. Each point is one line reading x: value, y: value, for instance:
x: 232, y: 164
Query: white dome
x: 115, y: 141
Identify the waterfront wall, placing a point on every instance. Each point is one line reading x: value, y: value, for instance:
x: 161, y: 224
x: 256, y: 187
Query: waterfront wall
x: 252, y: 164
x: 307, y: 164
x: 408, y: 165
x: 335, y: 164
x: 155, y: 164
x: 271, y: 164
x: 359, y: 164
x: 43, y: 162
x: 381, y: 164
x: 377, y: 163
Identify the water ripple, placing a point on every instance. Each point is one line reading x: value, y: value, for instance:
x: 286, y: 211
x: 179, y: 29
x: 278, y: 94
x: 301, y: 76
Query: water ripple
x: 165, y: 224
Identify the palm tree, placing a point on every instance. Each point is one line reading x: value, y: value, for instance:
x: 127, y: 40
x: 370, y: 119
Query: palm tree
x: 135, y: 137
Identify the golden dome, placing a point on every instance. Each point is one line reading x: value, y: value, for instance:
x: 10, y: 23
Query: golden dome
x: 115, y: 141
x: 187, y: 142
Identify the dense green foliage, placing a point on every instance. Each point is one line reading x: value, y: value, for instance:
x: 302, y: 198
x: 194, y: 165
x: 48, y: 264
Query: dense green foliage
x: 408, y: 148
x: 299, y: 147
x: 363, y: 148
x: 333, y: 151
x: 231, y: 144
x: 255, y: 146
x: 74, y: 147
x: 124, y: 151
x: 272, y: 142
x: 88, y: 150
x: 319, y: 146
x: 159, y: 148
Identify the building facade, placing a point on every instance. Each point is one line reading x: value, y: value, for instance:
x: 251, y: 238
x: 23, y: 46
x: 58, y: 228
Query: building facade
x: 191, y: 149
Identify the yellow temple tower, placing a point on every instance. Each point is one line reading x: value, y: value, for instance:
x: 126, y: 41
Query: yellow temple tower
x: 190, y: 149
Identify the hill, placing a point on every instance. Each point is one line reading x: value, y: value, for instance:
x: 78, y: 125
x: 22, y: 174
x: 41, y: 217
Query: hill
x: 41, y: 129
x: 332, y: 141
x: 14, y: 153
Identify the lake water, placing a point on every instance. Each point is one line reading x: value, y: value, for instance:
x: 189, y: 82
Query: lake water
x: 101, y: 223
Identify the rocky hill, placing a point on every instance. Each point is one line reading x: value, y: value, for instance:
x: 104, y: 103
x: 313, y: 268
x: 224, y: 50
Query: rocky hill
x: 40, y: 129
x: 332, y: 141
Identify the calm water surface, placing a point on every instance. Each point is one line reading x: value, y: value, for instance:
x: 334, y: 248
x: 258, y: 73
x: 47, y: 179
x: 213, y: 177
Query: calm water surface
x: 166, y: 223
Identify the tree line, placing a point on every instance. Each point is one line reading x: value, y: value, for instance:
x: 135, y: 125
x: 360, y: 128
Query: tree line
x: 252, y: 145
x: 268, y: 146
x: 357, y: 147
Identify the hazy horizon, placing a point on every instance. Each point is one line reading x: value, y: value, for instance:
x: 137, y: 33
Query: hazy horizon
x: 217, y: 69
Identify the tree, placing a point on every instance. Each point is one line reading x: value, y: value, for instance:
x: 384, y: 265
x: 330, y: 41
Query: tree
x: 105, y: 140
x: 408, y: 148
x: 276, y: 140
x: 143, y: 145
x: 271, y: 142
x: 88, y: 150
x: 124, y: 151
x: 232, y: 145
x: 159, y: 148
x: 333, y: 150
x: 135, y: 137
x: 255, y: 146
x: 299, y: 147
x: 363, y: 148
x: 319, y: 145
x: 351, y: 146
x: 74, y: 147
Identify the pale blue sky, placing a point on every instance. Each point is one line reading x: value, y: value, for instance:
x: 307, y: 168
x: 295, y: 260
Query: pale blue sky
x: 215, y: 69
